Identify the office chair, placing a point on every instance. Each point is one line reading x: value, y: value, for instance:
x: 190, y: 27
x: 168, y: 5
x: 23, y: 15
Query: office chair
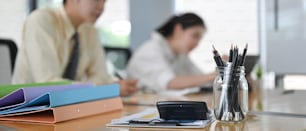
x: 119, y: 57
x: 8, y: 54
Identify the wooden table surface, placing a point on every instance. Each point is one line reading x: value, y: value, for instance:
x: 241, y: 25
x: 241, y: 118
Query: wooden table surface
x: 271, y: 110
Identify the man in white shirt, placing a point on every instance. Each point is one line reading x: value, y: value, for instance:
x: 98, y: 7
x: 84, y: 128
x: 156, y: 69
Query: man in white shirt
x: 62, y: 44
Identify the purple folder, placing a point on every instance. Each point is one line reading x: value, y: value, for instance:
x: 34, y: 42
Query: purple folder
x: 24, y: 95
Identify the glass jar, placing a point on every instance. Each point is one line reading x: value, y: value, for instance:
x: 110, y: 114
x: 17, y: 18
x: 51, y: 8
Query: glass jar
x: 230, y: 94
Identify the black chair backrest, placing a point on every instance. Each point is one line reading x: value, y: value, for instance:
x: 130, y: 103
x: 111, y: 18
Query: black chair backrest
x: 12, y: 48
x: 118, y: 56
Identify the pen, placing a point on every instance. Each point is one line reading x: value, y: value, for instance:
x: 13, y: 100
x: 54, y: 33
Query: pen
x: 118, y: 75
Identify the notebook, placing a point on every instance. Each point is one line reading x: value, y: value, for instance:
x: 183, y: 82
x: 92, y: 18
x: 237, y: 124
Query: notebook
x: 89, y: 123
x: 64, y: 113
x: 25, y: 95
x: 65, y: 97
x: 5, y: 90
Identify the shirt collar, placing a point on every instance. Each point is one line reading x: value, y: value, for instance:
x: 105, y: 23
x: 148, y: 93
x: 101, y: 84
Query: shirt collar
x: 165, y: 47
x: 69, y: 29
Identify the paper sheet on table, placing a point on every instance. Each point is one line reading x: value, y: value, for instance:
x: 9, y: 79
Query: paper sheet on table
x: 151, y: 114
x: 181, y: 92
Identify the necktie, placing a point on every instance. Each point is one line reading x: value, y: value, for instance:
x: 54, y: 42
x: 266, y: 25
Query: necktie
x: 71, y: 68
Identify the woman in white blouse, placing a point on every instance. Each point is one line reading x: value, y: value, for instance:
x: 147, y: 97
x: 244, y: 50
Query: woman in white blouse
x: 162, y: 62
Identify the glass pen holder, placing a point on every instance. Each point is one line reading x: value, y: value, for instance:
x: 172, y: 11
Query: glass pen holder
x: 230, y: 94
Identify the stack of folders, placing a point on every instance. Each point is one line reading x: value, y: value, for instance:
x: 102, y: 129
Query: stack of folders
x: 56, y: 101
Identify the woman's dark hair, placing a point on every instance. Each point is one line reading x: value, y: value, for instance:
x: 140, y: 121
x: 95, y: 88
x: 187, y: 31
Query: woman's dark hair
x: 64, y: 2
x: 186, y: 20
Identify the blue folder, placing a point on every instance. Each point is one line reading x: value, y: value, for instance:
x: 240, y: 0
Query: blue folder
x: 67, y: 97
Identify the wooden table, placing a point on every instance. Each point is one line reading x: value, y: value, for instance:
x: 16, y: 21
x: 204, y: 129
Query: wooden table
x: 268, y: 102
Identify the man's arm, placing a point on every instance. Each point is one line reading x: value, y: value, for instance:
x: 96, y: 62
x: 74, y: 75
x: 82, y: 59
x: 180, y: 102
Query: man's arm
x: 97, y: 70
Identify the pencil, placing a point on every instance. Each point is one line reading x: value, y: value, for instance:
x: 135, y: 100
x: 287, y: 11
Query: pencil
x: 244, y: 55
x: 231, y: 54
x: 217, y: 57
